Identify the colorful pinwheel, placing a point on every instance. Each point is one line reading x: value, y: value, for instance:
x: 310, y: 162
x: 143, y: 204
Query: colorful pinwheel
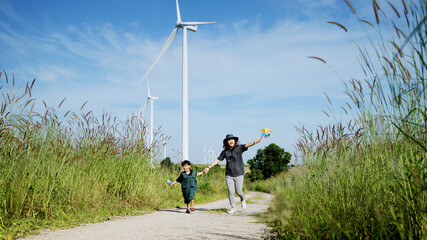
x: 169, y: 182
x: 266, y: 132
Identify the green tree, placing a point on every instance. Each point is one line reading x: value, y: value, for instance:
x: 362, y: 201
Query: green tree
x: 167, y: 163
x: 268, y: 162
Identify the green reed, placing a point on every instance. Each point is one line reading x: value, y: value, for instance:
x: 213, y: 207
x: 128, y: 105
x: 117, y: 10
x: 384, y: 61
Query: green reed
x: 62, y: 168
x: 367, y: 179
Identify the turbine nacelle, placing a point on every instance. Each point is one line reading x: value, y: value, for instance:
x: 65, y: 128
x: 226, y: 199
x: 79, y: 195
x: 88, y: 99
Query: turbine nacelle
x: 192, y: 28
x: 191, y: 25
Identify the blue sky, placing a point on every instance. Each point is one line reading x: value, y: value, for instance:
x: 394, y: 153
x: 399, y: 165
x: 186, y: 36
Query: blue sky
x: 248, y: 71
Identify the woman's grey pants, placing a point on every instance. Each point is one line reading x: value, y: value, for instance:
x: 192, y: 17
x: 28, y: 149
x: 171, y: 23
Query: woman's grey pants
x: 234, y: 184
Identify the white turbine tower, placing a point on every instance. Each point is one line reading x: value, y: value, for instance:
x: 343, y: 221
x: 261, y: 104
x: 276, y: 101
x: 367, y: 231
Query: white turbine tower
x: 204, y: 152
x: 211, y: 155
x: 192, y: 26
x: 164, y: 148
x: 150, y: 99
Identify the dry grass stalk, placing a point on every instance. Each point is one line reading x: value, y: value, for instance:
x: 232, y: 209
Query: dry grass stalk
x: 83, y: 105
x: 318, y: 58
x: 407, y: 20
x: 391, y: 65
x: 61, y: 102
x: 395, y: 10
x: 397, y: 47
x: 404, y: 6
x: 344, y: 110
x: 350, y: 6
x: 376, y: 6
x: 338, y: 24
x: 325, y: 113
x: 329, y: 100
x: 366, y: 22
x: 399, y: 32
x: 5, y: 75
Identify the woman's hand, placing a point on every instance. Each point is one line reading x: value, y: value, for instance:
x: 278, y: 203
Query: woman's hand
x: 258, y: 140
x: 206, y: 170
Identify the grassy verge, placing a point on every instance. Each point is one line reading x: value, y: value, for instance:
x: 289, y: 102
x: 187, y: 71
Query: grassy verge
x: 270, y: 185
x: 374, y: 195
x: 366, y: 179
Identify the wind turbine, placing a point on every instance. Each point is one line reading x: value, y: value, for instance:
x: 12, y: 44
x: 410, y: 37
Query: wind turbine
x: 150, y: 99
x: 204, y: 152
x: 192, y: 26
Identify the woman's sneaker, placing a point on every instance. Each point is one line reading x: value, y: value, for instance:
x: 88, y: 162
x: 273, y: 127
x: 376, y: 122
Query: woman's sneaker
x: 232, y: 211
x: 188, y: 211
x: 243, y: 205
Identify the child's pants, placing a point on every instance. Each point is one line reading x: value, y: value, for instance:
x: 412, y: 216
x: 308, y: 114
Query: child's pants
x: 234, y: 183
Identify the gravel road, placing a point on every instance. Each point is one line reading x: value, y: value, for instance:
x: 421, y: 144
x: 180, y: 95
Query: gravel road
x: 209, y: 221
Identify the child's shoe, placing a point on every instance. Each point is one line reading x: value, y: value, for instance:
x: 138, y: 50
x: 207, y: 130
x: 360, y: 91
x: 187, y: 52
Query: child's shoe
x: 243, y: 205
x: 188, y: 211
x: 232, y: 211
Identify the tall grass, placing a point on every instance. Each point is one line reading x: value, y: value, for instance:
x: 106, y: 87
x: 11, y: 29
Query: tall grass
x: 68, y: 168
x: 367, y: 179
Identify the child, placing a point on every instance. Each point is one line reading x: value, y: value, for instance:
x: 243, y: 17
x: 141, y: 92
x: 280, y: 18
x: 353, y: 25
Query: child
x: 188, y: 184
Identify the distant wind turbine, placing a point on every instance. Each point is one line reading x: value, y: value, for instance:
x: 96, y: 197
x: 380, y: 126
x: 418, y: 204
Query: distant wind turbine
x: 150, y: 99
x: 192, y: 26
x: 204, y: 152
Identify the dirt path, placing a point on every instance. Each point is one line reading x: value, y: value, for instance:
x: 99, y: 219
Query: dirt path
x: 209, y: 221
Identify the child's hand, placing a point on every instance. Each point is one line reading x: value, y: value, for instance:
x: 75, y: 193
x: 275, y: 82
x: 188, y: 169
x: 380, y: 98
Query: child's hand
x: 170, y: 182
x: 206, y: 170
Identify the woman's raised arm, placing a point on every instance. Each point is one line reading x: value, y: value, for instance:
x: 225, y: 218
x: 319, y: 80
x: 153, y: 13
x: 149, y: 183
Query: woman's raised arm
x: 253, y: 143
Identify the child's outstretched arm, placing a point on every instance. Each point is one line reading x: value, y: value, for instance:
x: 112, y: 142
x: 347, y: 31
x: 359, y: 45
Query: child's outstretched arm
x: 179, y: 179
x: 200, y: 173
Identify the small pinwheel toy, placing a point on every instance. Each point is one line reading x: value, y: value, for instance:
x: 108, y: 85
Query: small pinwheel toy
x: 266, y: 132
x: 169, y: 182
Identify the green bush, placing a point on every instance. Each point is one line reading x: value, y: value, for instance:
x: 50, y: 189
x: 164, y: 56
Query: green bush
x: 167, y: 163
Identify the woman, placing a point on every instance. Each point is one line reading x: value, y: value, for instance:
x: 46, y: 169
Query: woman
x: 234, y: 168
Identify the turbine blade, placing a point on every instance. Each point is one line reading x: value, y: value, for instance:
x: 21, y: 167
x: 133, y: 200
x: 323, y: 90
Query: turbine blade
x: 178, y: 14
x: 194, y: 23
x: 162, y: 51
x: 143, y: 107
x: 148, y: 85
